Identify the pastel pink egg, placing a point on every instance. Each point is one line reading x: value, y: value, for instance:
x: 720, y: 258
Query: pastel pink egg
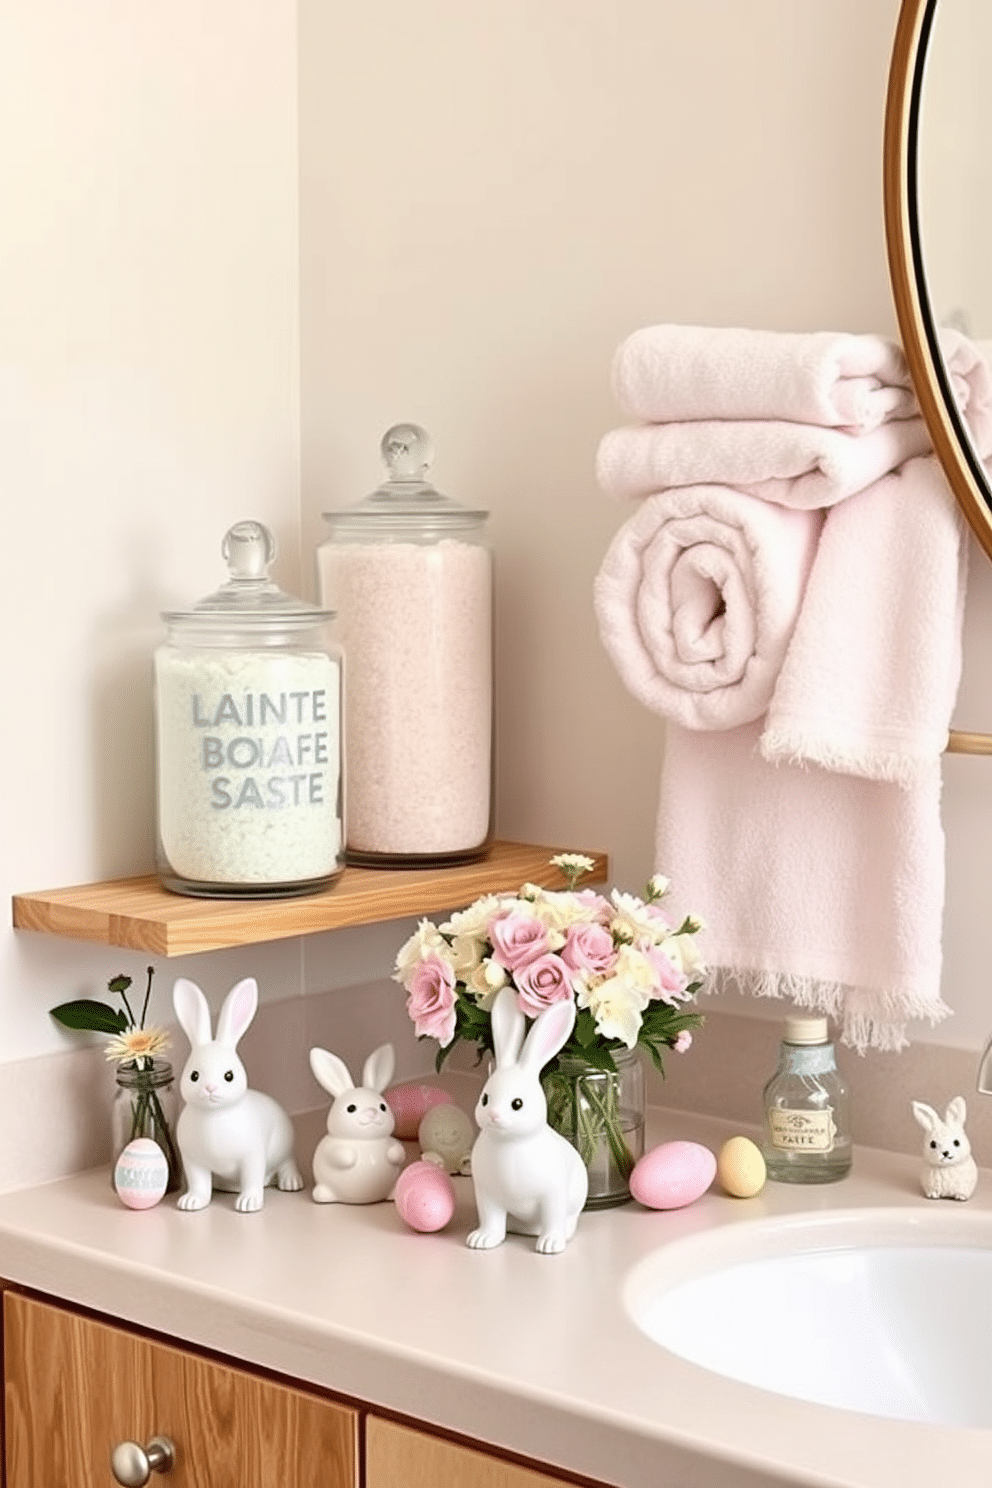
x: 141, y: 1174
x: 672, y: 1175
x: 424, y: 1197
x: 410, y: 1103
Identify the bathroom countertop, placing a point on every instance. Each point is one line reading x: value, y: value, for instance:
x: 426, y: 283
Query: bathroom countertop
x: 534, y: 1354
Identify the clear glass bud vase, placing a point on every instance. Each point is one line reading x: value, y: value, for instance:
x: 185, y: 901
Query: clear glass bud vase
x: 601, y: 1112
x: 145, y: 1106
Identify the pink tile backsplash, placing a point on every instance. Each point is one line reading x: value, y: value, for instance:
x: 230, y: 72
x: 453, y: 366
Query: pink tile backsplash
x: 55, y: 1110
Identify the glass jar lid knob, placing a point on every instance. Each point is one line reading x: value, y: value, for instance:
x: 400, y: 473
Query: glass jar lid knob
x: 408, y: 451
x: 248, y: 549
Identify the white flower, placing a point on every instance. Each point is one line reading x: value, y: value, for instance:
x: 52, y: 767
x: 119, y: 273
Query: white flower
x: 559, y: 910
x: 426, y: 939
x: 136, y: 1043
x: 616, y: 1006
x: 484, y: 982
x: 474, y: 921
x: 683, y: 952
x: 657, y: 886
x: 636, y: 972
x: 573, y: 865
x: 466, y: 955
x: 632, y: 918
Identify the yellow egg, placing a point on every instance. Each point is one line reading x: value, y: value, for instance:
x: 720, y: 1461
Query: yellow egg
x: 740, y: 1168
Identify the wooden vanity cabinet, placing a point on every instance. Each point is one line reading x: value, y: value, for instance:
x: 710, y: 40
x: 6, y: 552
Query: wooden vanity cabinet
x: 75, y: 1387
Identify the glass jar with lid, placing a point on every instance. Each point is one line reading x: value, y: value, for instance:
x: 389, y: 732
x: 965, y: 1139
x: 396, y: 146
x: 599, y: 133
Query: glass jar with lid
x: 248, y: 737
x: 408, y: 575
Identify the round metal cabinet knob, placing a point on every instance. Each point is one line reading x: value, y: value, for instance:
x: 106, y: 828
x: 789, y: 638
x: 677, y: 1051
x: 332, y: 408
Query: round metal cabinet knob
x: 133, y: 1465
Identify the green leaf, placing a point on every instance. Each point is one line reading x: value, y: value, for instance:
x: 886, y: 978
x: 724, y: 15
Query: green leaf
x: 90, y: 1016
x: 584, y: 1032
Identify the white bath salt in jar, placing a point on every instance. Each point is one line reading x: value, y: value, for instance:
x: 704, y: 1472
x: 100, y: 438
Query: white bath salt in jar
x: 248, y: 737
x: 408, y: 576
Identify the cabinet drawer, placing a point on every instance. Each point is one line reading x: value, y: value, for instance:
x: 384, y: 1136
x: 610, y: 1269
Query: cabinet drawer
x: 398, y: 1457
x: 75, y: 1388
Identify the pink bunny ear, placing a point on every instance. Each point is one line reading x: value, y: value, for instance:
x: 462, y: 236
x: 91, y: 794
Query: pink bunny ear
x: 237, y: 1011
x: 549, y: 1031
x: 509, y: 1025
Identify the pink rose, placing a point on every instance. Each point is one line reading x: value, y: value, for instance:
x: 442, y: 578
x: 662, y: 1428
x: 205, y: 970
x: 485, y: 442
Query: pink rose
x: 671, y: 980
x: 431, y: 999
x: 588, y: 948
x: 542, y: 982
x: 516, y: 939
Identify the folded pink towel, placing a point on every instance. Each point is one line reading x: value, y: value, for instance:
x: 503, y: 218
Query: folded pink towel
x: 697, y: 598
x: 676, y: 373
x: 821, y: 877
x: 801, y: 465
x: 868, y: 684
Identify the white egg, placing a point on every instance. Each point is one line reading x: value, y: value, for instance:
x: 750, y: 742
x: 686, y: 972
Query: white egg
x: 141, y: 1174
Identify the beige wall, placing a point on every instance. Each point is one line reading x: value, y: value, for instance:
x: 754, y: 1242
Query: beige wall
x: 149, y: 397
x: 472, y: 205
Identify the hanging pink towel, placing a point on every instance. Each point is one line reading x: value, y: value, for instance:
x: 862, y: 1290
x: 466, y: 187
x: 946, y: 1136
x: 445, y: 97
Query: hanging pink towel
x: 811, y: 840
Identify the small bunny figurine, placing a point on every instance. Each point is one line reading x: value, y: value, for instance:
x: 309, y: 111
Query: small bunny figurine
x: 949, y: 1170
x: 359, y: 1160
x: 227, y: 1134
x: 522, y: 1170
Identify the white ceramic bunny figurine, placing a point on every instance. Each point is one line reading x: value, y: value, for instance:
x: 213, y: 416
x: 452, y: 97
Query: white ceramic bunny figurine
x: 527, y: 1177
x: 949, y: 1170
x: 359, y: 1160
x: 228, y: 1136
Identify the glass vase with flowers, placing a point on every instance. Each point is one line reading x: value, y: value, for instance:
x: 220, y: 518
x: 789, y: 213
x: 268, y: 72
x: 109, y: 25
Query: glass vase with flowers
x: 631, y: 971
x: 144, y: 1100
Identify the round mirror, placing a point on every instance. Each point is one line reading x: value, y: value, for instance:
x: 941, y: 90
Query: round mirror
x: 938, y: 219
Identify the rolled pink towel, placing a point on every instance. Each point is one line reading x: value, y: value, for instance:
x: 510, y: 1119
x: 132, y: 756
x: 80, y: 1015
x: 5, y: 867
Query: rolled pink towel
x: 697, y: 598
x: 675, y: 373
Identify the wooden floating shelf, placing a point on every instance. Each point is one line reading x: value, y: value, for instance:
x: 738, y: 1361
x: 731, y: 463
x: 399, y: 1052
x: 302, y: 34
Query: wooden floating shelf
x: 139, y: 915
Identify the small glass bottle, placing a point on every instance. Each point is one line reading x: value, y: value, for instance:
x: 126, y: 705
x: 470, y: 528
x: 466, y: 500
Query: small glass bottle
x: 144, y: 1105
x: 807, y: 1128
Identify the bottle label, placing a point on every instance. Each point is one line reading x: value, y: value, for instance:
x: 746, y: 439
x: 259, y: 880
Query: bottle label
x: 802, y: 1131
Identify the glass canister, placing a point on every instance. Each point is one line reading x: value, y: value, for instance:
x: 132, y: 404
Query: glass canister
x: 408, y: 576
x: 248, y: 737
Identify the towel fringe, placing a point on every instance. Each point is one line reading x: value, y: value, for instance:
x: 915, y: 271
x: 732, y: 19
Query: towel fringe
x: 866, y: 1019
x: 892, y: 767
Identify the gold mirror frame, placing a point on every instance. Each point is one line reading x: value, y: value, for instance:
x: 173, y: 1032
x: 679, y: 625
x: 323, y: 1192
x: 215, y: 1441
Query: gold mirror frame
x: 965, y: 473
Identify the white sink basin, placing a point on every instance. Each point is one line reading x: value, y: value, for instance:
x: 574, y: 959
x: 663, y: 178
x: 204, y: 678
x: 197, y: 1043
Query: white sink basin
x: 885, y: 1311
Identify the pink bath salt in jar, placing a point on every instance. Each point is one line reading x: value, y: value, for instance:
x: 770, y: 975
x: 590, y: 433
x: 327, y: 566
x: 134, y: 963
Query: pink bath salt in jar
x: 408, y: 575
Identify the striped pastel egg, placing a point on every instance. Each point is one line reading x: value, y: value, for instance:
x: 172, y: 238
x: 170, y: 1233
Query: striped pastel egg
x: 141, y: 1174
